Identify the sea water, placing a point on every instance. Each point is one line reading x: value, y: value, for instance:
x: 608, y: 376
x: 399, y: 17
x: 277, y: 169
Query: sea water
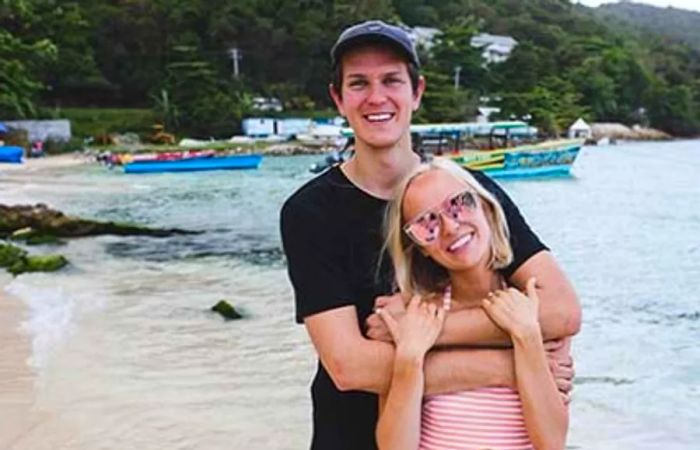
x: 128, y: 355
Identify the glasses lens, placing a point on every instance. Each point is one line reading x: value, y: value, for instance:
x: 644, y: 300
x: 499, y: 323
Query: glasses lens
x: 424, y: 229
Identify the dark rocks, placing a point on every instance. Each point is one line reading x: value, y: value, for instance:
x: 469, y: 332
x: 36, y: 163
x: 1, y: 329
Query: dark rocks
x: 29, y: 236
x: 226, y: 310
x: 44, y: 221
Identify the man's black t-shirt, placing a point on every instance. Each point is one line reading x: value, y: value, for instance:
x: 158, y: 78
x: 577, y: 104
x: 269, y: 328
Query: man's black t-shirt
x: 332, y: 237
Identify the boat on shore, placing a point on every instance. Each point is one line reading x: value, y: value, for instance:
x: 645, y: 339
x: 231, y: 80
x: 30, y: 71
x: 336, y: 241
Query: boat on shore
x: 546, y: 159
x: 504, y: 149
x: 11, y: 154
x: 194, y: 164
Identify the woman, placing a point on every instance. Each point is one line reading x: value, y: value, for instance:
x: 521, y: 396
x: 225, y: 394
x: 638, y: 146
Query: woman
x: 448, y: 237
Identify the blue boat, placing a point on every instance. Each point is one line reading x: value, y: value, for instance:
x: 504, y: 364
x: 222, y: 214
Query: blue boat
x: 547, y: 159
x: 235, y: 162
x: 10, y: 154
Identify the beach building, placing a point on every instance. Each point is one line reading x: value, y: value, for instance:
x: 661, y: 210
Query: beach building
x: 580, y: 130
x: 265, y: 127
x: 494, y: 48
x: 259, y: 126
x: 423, y: 37
x: 41, y: 130
x: 484, y: 113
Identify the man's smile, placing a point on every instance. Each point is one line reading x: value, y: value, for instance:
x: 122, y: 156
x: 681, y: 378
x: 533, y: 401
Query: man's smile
x: 379, y: 117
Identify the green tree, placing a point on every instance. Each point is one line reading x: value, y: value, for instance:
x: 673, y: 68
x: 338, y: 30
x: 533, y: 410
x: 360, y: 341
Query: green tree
x: 20, y: 60
x: 196, y: 100
x: 674, y: 109
x: 553, y: 105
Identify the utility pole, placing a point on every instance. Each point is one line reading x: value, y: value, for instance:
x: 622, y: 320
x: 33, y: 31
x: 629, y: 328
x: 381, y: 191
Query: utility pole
x: 458, y: 69
x: 235, y: 56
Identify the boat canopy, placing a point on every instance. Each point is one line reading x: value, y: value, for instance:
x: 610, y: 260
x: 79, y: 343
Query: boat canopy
x: 468, y: 129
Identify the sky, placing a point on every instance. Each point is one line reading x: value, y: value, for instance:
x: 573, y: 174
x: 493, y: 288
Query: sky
x: 681, y: 4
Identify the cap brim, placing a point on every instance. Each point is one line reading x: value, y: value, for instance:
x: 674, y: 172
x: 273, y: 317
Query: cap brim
x: 365, y: 39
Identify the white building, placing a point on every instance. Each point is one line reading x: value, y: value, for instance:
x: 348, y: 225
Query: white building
x: 494, y: 49
x: 485, y: 112
x: 423, y: 37
x: 580, y: 130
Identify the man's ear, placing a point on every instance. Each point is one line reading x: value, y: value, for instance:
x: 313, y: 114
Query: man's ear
x: 337, y: 99
x: 418, y: 93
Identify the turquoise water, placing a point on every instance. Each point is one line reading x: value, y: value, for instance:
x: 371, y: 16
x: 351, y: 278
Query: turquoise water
x: 128, y: 356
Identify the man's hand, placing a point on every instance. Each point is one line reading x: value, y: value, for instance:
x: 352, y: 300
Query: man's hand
x: 562, y: 366
x: 376, y: 327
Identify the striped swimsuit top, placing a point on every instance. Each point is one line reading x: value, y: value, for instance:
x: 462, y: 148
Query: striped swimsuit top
x: 487, y: 418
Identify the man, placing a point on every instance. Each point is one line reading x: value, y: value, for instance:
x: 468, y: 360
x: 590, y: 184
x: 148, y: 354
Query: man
x: 332, y: 236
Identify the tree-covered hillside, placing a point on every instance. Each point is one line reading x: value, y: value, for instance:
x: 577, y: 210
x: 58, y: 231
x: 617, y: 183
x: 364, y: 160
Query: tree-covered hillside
x: 679, y: 24
x: 174, y: 56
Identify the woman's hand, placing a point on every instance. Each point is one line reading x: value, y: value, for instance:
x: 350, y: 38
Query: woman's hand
x: 513, y: 311
x: 416, y: 332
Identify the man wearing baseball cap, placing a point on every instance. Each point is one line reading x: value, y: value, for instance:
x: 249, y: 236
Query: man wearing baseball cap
x: 332, y: 237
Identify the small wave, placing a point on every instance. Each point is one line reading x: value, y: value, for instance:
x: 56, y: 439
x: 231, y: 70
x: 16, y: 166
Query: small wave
x: 50, y: 318
x: 603, y: 380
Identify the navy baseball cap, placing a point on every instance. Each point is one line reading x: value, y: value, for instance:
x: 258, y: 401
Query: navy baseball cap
x: 374, y: 31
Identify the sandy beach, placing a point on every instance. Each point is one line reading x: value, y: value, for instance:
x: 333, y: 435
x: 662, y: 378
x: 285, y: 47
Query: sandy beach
x: 16, y: 377
x: 46, y: 163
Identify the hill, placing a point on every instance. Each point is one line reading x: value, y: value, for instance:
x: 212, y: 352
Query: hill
x: 678, y: 24
x: 175, y: 58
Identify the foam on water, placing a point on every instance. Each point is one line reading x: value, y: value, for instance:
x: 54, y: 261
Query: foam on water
x: 50, y: 319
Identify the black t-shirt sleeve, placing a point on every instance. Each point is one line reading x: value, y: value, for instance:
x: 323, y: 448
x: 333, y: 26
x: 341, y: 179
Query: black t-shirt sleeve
x: 314, y: 259
x: 523, y: 240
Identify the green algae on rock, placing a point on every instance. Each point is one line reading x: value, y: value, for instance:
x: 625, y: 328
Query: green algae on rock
x: 16, y: 261
x: 227, y: 311
x: 30, y: 236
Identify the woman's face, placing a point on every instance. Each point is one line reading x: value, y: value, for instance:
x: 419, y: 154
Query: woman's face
x: 460, y: 243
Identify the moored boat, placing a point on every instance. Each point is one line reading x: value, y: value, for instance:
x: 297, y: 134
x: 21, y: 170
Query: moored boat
x: 11, y: 154
x: 508, y: 154
x: 546, y: 159
x: 232, y: 162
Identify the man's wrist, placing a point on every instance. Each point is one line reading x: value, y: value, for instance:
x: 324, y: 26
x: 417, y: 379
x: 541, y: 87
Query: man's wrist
x: 504, y: 372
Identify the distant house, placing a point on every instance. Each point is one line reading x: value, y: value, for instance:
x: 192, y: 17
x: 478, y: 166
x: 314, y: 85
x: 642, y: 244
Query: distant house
x: 485, y: 112
x: 267, y: 104
x: 494, y: 49
x: 423, y: 37
x: 580, y: 129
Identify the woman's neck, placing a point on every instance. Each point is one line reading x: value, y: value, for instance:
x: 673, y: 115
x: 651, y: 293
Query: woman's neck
x: 469, y: 287
x: 378, y: 171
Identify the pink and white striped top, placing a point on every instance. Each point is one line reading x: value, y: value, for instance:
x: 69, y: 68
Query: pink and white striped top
x: 486, y: 418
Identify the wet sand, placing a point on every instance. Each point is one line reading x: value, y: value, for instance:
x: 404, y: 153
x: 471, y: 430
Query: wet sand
x: 47, y: 163
x: 17, y: 417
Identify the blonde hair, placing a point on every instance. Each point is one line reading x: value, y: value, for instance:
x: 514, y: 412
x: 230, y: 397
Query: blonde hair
x: 415, y: 272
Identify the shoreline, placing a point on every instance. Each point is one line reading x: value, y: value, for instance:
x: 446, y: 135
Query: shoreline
x: 17, y: 379
x: 50, y: 162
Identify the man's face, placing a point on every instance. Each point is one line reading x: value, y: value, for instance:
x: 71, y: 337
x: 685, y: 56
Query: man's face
x: 377, y: 97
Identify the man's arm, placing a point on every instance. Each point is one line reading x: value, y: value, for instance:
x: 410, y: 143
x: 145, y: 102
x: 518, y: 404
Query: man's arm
x: 559, y: 312
x: 356, y: 363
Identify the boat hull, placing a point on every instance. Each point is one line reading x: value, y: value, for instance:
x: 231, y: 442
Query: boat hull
x: 238, y: 162
x: 9, y: 154
x: 549, y: 159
